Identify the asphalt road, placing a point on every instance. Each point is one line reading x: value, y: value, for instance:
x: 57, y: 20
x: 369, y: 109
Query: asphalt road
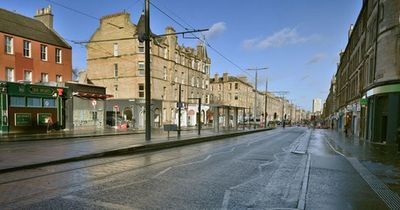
x: 258, y: 171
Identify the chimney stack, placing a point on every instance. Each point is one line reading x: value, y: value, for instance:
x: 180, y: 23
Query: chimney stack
x: 225, y: 77
x: 45, y: 16
x: 216, y: 76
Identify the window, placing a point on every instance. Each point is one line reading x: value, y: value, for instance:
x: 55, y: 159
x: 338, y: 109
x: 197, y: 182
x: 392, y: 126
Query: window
x: 141, y: 90
x: 176, y: 57
x: 164, y: 95
x: 236, y: 97
x: 34, y: 102
x: 141, y: 68
x: 230, y: 86
x: 115, y: 70
x: 115, y: 49
x: 140, y: 47
x: 183, y: 60
x: 10, y: 74
x: 183, y: 78
x: 59, y: 78
x: 58, y: 55
x: 94, y: 115
x: 27, y: 49
x: 165, y: 73
x: 165, y: 53
x: 28, y: 76
x: 49, y: 102
x: 115, y: 87
x: 17, y: 101
x: 43, y: 52
x: 9, y: 45
x: 236, y: 86
x: 44, y: 77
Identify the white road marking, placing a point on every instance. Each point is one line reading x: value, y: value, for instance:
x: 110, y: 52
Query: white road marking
x: 162, y: 172
x: 303, y: 192
x: 97, y: 203
x: 225, y: 202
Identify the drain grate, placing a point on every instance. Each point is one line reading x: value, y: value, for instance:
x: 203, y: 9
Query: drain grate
x: 391, y: 199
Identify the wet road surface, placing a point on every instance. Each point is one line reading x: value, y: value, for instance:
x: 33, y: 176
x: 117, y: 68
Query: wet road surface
x: 257, y: 171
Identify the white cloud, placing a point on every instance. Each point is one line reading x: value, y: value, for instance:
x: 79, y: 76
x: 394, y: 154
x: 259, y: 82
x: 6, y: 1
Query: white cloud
x: 317, y: 58
x: 286, y: 36
x: 215, y: 30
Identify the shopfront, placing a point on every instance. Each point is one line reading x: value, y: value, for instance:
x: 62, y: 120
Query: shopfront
x: 27, y: 108
x: 384, y: 114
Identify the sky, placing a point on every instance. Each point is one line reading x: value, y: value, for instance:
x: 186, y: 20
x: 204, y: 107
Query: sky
x: 298, y: 40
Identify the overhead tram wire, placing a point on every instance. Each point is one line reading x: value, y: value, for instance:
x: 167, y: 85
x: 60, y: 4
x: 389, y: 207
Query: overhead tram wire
x: 80, y: 12
x: 203, y: 41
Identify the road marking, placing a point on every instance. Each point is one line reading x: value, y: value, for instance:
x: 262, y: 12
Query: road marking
x: 162, y: 172
x: 390, y: 198
x: 97, y: 203
x: 303, y: 192
x: 225, y: 202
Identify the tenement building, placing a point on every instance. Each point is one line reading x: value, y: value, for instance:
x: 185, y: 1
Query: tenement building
x: 33, y: 60
x: 115, y: 60
x: 232, y: 100
x: 368, y: 75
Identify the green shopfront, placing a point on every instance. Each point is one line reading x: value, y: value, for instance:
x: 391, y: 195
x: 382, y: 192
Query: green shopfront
x: 384, y: 114
x: 27, y: 108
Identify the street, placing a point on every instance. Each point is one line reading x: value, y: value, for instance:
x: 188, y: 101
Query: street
x: 270, y: 169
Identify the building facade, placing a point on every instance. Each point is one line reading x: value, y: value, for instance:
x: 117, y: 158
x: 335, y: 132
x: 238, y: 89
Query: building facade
x: 368, y: 75
x: 31, y: 50
x: 115, y: 59
x: 38, y: 58
x: 235, y: 97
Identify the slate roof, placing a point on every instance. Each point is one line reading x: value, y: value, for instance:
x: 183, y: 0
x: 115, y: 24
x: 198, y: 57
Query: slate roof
x: 29, y: 28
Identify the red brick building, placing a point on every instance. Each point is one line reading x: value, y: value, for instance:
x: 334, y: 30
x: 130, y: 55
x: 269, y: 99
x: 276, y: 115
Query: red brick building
x: 30, y: 50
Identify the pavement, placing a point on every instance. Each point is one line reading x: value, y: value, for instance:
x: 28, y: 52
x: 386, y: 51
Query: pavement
x: 19, y: 152
x: 378, y: 164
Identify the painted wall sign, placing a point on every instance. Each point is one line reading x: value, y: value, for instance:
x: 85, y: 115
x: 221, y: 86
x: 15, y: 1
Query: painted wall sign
x: 23, y: 119
x: 42, y: 118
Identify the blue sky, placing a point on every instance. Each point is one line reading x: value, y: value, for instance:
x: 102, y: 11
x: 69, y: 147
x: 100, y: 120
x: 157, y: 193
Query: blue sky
x: 298, y: 40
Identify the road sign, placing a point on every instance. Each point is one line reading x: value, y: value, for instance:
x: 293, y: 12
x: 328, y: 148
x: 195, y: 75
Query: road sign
x: 94, y: 103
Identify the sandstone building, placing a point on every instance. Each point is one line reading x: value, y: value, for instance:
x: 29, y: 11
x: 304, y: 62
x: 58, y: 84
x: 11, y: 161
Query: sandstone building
x: 115, y: 60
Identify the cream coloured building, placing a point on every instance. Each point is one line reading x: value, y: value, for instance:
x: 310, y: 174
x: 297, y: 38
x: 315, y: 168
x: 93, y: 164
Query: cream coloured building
x: 115, y: 60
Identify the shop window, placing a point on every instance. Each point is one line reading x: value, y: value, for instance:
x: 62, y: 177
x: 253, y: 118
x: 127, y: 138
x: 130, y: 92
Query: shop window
x: 94, y: 115
x: 34, y: 102
x: 49, y: 102
x: 16, y: 101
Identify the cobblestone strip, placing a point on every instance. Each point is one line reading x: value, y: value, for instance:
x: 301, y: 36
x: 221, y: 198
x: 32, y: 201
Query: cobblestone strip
x: 389, y: 197
x: 302, y: 143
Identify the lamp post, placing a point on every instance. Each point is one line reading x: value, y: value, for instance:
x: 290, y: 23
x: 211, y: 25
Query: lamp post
x: 255, y: 93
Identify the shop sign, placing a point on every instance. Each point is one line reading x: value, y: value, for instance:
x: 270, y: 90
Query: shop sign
x: 23, y: 119
x: 364, y: 101
x: 94, y: 103
x: 41, y: 90
x: 43, y: 118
